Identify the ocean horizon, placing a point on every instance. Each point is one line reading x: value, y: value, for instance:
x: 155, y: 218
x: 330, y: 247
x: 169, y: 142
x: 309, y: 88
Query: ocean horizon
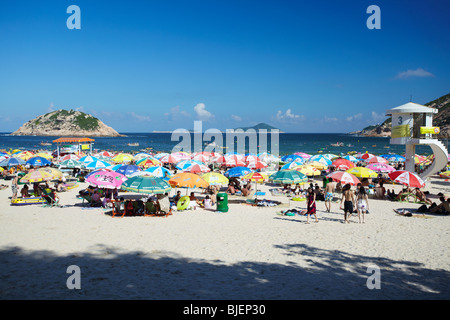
x: 288, y: 143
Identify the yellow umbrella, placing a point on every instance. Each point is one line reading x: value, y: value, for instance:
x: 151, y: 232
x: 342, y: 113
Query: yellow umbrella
x: 362, y: 172
x: 308, y: 170
x: 54, y: 172
x: 123, y: 158
x: 318, y: 165
x: 215, y: 178
x: 37, y: 176
x: 25, y: 155
x: 44, y: 155
x: 445, y: 174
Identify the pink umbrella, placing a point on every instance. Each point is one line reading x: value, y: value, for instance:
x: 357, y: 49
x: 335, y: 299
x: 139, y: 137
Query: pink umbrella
x: 380, y: 167
x: 198, y: 168
x: 70, y: 157
x: 407, y: 178
x: 344, y: 177
x: 303, y: 155
x: 106, y: 179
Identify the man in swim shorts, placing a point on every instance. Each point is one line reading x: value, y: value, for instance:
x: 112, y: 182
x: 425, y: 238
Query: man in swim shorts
x: 348, y: 198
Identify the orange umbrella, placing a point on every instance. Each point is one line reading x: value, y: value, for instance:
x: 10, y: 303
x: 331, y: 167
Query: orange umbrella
x: 188, y: 180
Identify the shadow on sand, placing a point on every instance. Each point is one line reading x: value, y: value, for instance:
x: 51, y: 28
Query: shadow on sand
x: 110, y: 274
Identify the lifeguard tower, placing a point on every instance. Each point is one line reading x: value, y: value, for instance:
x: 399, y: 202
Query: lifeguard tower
x: 73, y: 145
x: 412, y: 124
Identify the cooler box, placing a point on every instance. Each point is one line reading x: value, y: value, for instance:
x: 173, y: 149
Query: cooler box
x: 222, y: 202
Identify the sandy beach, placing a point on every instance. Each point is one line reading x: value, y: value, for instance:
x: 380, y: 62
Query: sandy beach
x: 244, y: 254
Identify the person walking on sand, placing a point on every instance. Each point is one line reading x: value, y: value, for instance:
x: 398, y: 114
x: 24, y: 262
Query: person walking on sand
x: 348, y: 198
x: 14, y: 187
x: 329, y: 190
x: 362, y: 203
x: 311, y: 205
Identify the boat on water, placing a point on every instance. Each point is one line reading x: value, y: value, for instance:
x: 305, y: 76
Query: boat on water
x: 45, y: 144
x: 337, y: 144
x: 133, y: 144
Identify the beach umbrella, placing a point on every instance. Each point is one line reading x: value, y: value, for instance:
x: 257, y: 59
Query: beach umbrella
x: 159, y: 172
x: 303, y: 155
x: 148, y: 162
x: 256, y: 164
x: 232, y: 161
x: 123, y: 158
x: 71, y: 164
x: 342, y: 164
x: 380, y: 167
x: 293, y: 164
x: 45, y: 155
x: 12, y: 162
x: 445, y: 174
x: 88, y: 159
x: 215, y: 178
x: 344, y: 177
x: 318, y: 165
x: 330, y: 156
x: 366, y: 155
x: 38, y: 162
x: 57, y: 174
x: 37, y: 176
x: 201, y: 156
x: 142, y: 155
x: 350, y: 158
x: 291, y: 157
x: 184, y: 165
x: 394, y: 157
x: 25, y: 155
x: 407, y: 178
x: 320, y: 158
x: 257, y: 177
x: 127, y: 169
x: 267, y: 157
x: 70, y: 156
x: 198, y: 168
x: 98, y: 164
x: 419, y: 159
x: 146, y: 185
x: 237, y: 172
x: 97, y: 171
x: 288, y: 177
x: 362, y: 172
x: 106, y: 179
x: 188, y: 180
x: 159, y: 155
x: 308, y: 170
x: 376, y: 159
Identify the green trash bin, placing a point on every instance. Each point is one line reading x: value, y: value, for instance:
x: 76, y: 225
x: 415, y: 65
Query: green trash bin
x: 222, y: 202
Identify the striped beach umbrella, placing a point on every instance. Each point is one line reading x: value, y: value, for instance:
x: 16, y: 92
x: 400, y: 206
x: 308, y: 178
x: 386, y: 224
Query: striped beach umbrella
x: 407, y: 178
x: 293, y: 164
x: 376, y: 159
x: 158, y: 171
x: 198, y: 168
x: 344, y: 177
x: 12, y: 162
x: 71, y: 164
x: 98, y: 164
x: 88, y: 159
x: 342, y: 164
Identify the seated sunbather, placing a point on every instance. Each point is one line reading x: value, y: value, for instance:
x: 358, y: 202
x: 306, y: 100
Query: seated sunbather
x: 231, y: 189
x: 422, y: 197
x: 443, y: 207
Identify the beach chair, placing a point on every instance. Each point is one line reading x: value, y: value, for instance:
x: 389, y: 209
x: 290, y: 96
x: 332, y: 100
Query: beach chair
x: 49, y: 197
x: 116, y: 208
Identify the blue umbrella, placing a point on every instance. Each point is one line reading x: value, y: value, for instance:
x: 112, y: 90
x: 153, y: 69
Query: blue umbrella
x: 127, y: 169
x: 237, y: 172
x: 290, y: 158
x: 11, y: 162
x: 159, y: 172
x: 38, y: 161
x: 393, y: 157
x: 97, y: 165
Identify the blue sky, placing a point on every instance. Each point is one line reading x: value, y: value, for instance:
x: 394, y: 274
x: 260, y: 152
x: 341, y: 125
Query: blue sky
x: 302, y: 66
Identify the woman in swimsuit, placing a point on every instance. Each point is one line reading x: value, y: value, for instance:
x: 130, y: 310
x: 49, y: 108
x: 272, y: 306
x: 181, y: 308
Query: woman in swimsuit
x: 362, y: 203
x: 311, y: 205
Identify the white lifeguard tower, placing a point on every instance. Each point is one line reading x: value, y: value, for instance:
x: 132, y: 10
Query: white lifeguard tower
x: 412, y: 124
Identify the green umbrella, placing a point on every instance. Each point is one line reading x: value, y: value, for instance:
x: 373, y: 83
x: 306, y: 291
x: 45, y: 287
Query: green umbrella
x: 146, y: 184
x: 72, y: 164
x: 288, y: 177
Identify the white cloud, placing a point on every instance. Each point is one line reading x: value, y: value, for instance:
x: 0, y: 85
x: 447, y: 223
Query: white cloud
x: 80, y: 109
x: 175, y: 113
x: 288, y: 115
x: 377, y: 118
x: 419, y: 72
x: 236, y: 118
x: 139, y: 117
x: 332, y: 119
x: 51, y: 107
x: 202, y: 113
x: 357, y: 116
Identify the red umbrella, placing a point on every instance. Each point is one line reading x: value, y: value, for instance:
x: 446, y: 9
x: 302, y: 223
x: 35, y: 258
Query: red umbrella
x: 367, y: 155
x: 342, y: 164
x: 344, y: 177
x: 376, y: 159
x: 407, y: 178
x: 231, y: 161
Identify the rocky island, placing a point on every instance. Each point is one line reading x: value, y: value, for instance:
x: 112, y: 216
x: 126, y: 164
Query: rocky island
x: 66, y: 123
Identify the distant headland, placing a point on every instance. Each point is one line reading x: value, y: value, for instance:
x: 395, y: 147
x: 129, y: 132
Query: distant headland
x: 65, y: 123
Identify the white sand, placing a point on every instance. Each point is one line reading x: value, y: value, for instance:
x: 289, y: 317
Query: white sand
x: 246, y: 253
